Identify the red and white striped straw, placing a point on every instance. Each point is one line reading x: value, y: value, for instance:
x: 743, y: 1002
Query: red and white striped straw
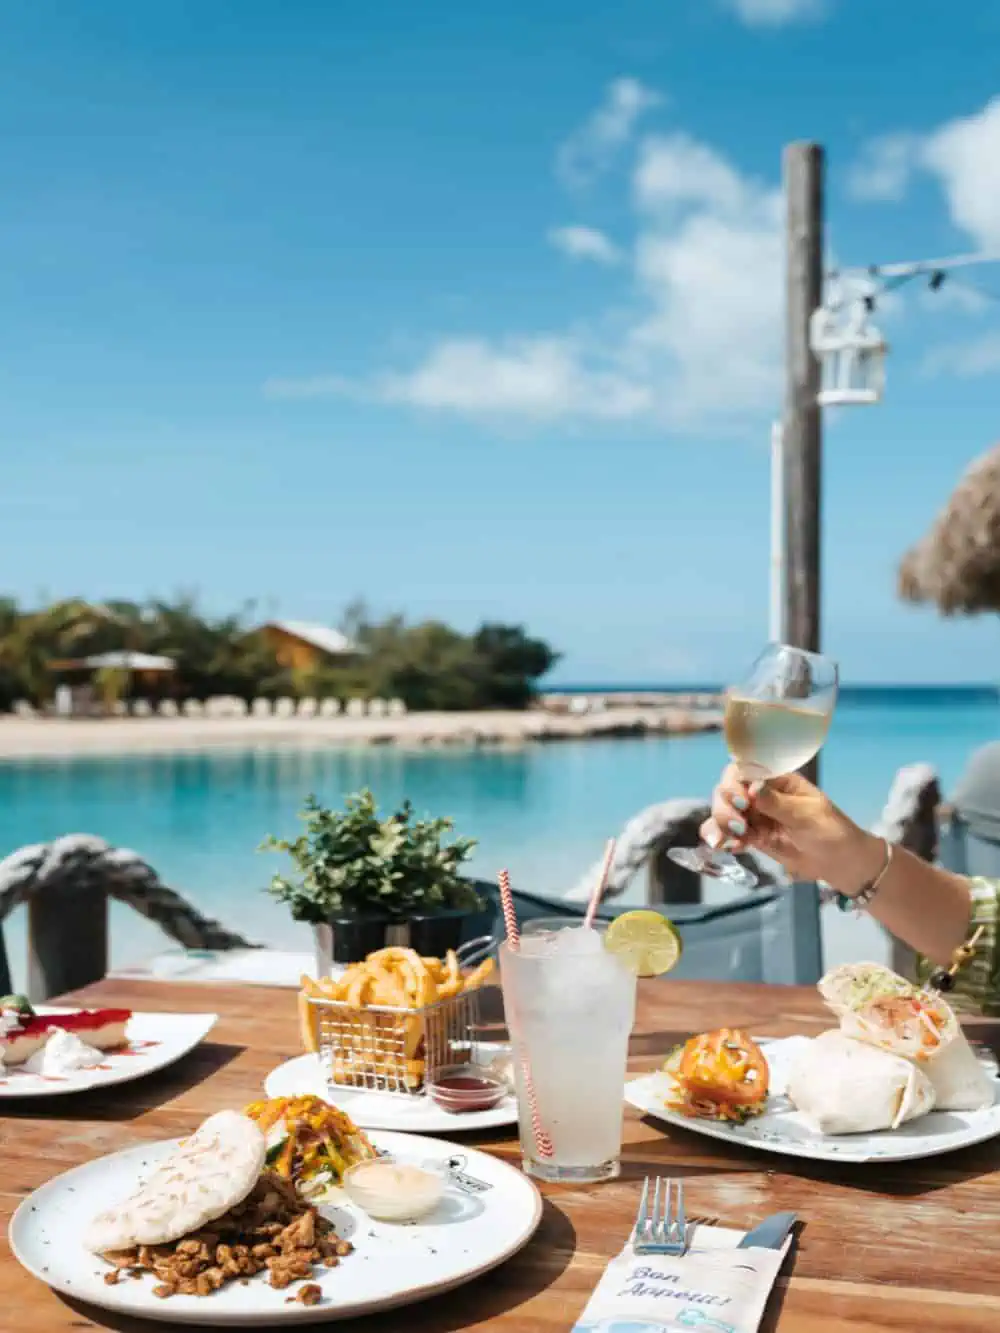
x: 509, y: 915
x: 601, y: 885
x: 543, y: 1144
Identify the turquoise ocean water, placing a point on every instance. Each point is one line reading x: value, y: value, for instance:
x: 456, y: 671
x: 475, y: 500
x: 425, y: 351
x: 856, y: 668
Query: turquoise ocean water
x: 543, y: 811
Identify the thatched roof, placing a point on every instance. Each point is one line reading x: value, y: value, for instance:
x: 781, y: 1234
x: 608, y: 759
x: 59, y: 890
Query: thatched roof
x: 957, y: 564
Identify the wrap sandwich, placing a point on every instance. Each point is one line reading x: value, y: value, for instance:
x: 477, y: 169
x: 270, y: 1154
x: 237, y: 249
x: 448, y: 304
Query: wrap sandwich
x: 884, y: 1010
x: 843, y: 1086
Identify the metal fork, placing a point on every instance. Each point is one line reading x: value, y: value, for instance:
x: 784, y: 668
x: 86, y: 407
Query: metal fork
x: 661, y: 1228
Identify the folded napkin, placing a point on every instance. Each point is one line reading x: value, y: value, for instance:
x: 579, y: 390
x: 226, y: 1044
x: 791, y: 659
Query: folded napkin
x: 714, y: 1288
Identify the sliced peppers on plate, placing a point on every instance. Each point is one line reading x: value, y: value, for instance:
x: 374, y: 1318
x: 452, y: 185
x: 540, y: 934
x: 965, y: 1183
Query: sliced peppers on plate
x: 721, y: 1075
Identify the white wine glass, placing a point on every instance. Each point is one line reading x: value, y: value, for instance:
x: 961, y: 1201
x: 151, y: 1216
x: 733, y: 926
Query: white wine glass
x: 775, y: 721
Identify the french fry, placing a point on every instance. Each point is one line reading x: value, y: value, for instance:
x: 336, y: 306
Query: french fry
x: 359, y: 990
x: 479, y: 974
x: 308, y: 1021
x: 452, y: 968
x: 388, y: 989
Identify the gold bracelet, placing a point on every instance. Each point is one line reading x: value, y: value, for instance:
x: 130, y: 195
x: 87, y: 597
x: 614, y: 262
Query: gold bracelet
x: 863, y: 897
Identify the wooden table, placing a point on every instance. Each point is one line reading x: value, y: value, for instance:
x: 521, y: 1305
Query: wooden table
x: 900, y: 1248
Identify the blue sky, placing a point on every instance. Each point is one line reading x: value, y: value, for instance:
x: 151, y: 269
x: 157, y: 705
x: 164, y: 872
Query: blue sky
x: 474, y: 311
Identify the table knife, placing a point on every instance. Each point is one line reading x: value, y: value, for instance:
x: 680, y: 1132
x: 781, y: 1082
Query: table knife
x: 769, y: 1234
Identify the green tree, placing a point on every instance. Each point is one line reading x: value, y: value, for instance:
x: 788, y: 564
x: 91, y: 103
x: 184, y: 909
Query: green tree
x: 510, y: 663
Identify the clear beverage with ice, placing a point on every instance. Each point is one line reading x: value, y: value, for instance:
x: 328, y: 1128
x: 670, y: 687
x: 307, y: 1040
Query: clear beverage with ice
x: 570, y: 1006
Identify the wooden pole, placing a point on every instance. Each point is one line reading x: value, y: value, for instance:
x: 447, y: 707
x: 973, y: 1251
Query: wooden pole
x: 803, y: 449
x: 802, y: 442
x: 67, y: 941
x: 776, y: 608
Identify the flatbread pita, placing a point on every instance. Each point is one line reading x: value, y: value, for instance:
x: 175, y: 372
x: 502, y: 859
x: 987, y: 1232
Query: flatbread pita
x: 205, y: 1176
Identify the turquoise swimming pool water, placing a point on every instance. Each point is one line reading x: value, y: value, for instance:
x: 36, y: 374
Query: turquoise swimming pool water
x: 543, y: 811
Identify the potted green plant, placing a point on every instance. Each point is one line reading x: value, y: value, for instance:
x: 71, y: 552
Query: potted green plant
x: 372, y: 880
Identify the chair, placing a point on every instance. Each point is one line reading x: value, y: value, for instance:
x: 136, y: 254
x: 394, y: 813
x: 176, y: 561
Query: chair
x: 377, y: 708
x: 307, y: 707
x: 284, y: 707
x: 261, y: 708
x: 168, y: 708
x: 329, y: 707
x: 397, y: 708
x: 193, y: 708
x: 24, y: 709
x: 142, y: 708
x: 762, y: 936
x: 119, y: 708
x: 355, y: 708
x: 965, y: 851
x: 969, y: 832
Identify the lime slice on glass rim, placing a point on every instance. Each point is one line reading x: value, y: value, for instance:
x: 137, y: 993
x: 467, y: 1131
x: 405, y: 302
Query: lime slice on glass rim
x: 647, y: 943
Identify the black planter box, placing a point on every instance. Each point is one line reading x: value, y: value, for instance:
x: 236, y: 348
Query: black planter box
x: 350, y: 939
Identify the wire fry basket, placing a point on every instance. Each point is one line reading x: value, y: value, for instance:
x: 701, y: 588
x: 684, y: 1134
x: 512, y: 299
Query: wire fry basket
x: 384, y: 1048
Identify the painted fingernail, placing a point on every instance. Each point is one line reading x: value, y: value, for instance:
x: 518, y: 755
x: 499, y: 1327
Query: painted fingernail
x: 741, y: 803
x: 738, y: 827
x: 713, y: 837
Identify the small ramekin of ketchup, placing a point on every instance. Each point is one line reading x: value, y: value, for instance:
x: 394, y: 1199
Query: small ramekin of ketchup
x: 462, y: 1088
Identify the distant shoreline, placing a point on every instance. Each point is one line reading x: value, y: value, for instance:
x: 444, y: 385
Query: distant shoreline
x: 48, y: 737
x: 974, y: 689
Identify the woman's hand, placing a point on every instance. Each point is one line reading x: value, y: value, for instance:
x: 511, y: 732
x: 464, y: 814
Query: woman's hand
x: 799, y: 826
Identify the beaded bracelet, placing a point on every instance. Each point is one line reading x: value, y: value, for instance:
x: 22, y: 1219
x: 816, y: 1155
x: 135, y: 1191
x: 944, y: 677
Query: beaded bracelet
x: 860, y: 902
x: 943, y: 978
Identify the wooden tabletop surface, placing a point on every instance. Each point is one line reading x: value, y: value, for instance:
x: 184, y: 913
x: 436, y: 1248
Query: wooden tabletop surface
x: 889, y: 1248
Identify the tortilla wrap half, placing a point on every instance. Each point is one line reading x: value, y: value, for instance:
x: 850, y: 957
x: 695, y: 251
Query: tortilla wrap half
x: 843, y: 1086
x: 877, y: 1006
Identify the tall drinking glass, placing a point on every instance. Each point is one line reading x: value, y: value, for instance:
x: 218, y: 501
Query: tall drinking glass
x: 570, y: 1007
x: 775, y: 721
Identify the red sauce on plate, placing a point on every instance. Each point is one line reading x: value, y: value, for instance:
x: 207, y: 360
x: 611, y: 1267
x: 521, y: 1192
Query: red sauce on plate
x: 466, y: 1092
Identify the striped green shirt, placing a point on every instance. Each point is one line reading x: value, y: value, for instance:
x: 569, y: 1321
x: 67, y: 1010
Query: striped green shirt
x: 977, y: 986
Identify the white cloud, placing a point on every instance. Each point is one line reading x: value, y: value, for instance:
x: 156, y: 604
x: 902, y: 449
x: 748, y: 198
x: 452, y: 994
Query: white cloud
x: 676, y: 171
x: 585, y: 243
x: 590, y: 149
x: 963, y: 155
x: 535, y: 378
x: 776, y: 13
x: 977, y: 356
x: 694, y: 340
x: 884, y: 168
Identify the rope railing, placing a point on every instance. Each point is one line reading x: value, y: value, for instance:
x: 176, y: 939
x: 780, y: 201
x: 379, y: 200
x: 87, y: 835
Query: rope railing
x: 66, y: 885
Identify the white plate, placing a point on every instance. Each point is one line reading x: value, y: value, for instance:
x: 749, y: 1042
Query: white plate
x: 782, y: 1129
x: 154, y: 1041
x: 468, y: 1234
x: 383, y: 1110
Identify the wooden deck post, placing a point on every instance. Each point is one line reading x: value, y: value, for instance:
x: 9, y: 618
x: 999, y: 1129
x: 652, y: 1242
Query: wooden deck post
x: 67, y: 941
x: 6, y: 981
x: 802, y: 446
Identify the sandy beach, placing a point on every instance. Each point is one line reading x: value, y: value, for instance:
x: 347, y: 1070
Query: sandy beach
x: 29, y: 737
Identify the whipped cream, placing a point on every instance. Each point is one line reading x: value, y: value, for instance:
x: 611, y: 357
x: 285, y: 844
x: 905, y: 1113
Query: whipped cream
x: 63, y: 1053
x: 10, y: 1021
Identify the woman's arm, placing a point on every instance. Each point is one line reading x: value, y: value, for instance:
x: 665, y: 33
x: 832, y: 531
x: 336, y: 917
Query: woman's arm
x: 928, y: 908
x: 790, y: 819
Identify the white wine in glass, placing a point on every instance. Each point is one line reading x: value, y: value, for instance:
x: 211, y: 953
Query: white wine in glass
x: 775, y: 721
